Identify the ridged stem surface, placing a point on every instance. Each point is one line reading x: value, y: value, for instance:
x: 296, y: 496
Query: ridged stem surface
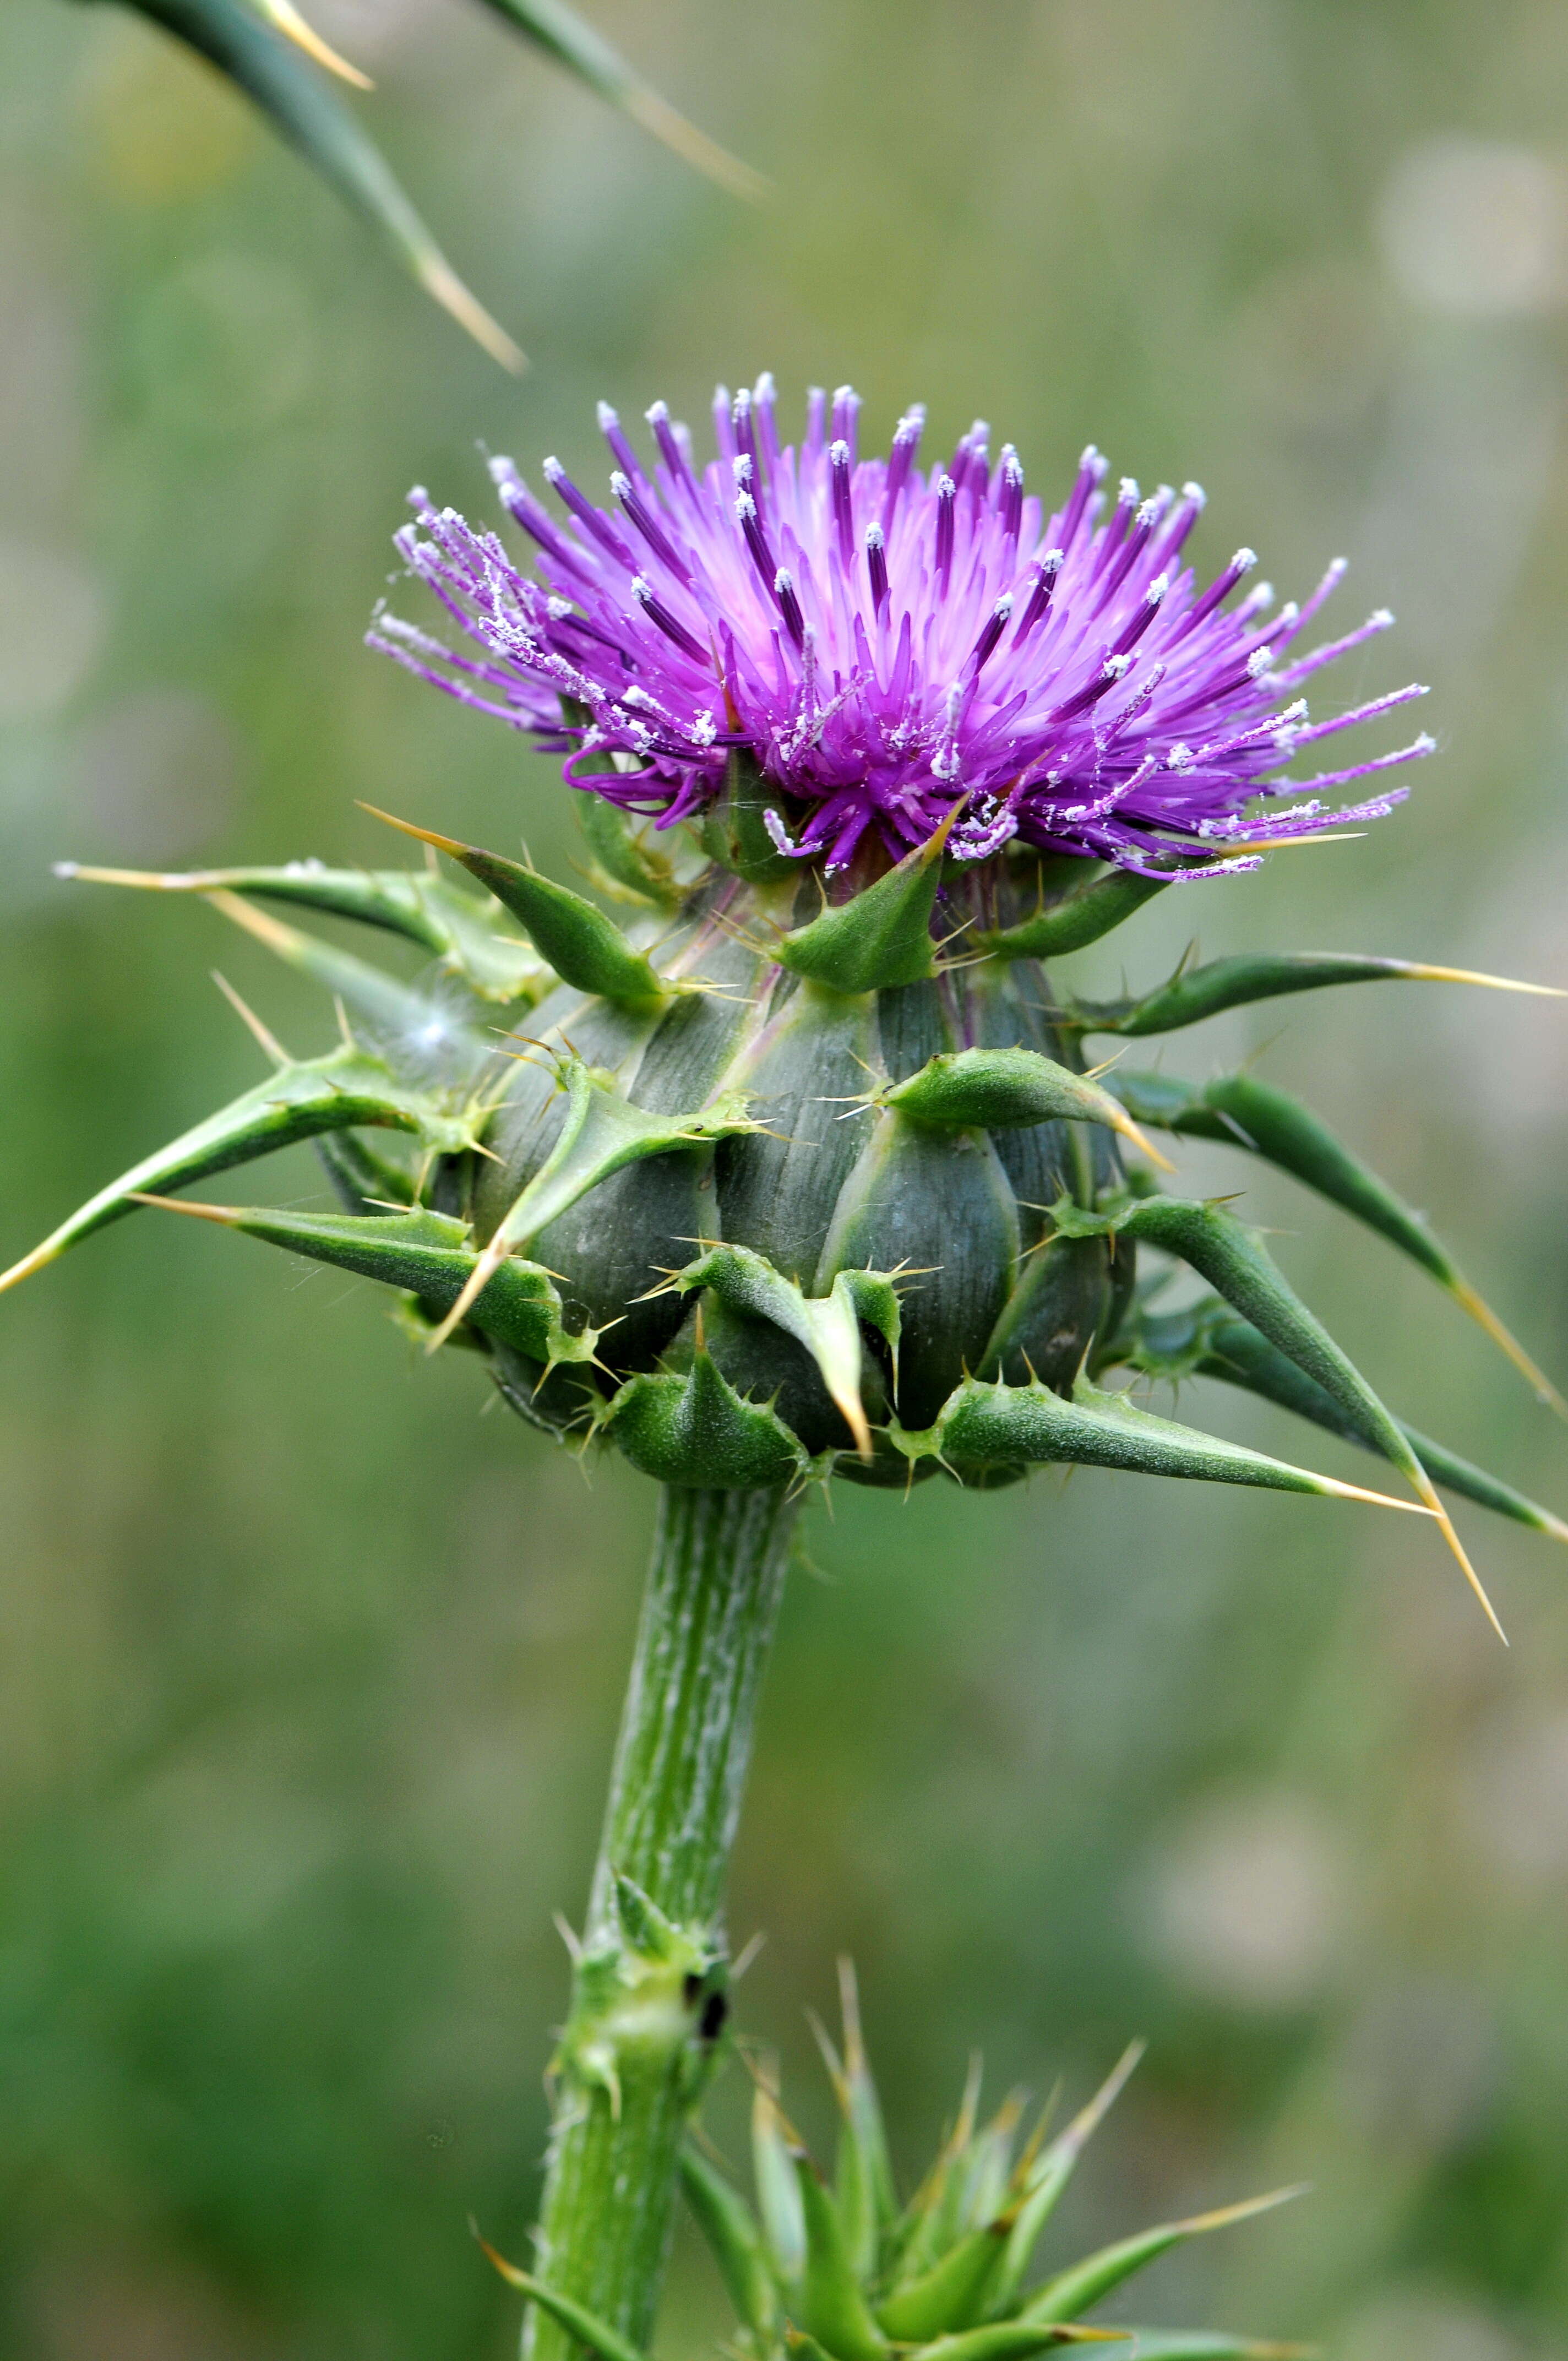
x: 633, y: 2051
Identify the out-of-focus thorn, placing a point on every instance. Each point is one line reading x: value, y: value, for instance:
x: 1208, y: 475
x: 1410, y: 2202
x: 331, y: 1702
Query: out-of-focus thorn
x: 694, y: 147
x: 289, y: 21
x: 438, y: 279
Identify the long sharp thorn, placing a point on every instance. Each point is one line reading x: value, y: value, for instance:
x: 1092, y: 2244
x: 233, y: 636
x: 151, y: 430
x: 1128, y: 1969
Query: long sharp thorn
x: 1425, y: 974
x: 37, y: 1260
x: 1224, y: 2215
x: 248, y: 1015
x: 1483, y: 1314
x: 428, y: 835
x: 289, y: 21
x: 1127, y: 1129
x: 1332, y: 1484
x: 228, y: 1215
x: 438, y: 279
x: 473, y: 1286
x: 1425, y: 1487
x: 694, y: 147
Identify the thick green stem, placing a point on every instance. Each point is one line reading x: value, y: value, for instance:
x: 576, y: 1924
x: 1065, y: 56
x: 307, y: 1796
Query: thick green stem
x: 648, y: 1991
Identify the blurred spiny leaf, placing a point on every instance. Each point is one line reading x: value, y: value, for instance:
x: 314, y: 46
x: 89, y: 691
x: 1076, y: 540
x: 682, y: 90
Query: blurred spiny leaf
x: 274, y: 55
x: 574, y: 43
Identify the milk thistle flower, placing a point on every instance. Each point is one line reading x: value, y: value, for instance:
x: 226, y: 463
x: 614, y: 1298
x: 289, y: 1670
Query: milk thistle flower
x: 886, y: 643
x: 802, y: 1169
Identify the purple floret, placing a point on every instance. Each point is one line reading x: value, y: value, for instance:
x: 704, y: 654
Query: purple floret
x: 887, y: 643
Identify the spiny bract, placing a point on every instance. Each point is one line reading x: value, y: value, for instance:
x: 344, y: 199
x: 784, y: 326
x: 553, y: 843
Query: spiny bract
x: 801, y: 1166
x: 840, y: 2270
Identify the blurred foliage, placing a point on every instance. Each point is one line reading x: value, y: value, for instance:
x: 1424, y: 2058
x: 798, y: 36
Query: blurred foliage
x: 308, y: 1672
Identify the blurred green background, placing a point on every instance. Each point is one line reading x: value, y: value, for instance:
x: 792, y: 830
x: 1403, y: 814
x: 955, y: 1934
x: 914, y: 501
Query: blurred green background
x: 308, y: 1667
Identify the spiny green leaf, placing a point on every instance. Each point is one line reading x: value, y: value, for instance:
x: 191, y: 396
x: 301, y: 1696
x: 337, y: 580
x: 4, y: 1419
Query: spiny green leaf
x: 562, y: 35
x: 728, y: 2225
x: 953, y: 2293
x: 778, y: 2190
x: 1010, y: 2340
x: 697, y: 1431
x: 426, y: 909
x: 1008, y: 1090
x: 583, y: 946
x: 602, y: 1134
x: 270, y: 70
x: 629, y: 864
x: 1209, y: 1341
x: 343, y: 1090
x: 1079, y: 2288
x: 1243, y: 1112
x: 1080, y: 918
x: 1049, y: 2174
x: 865, y: 2136
x: 880, y: 937
x: 829, y: 1326
x: 1234, y: 1260
x: 409, y: 1026
x: 986, y: 1426
x: 600, y: 1137
x: 1194, y: 993
x: 426, y: 1253
x: 828, y: 2298
x: 366, y: 1182
x: 585, y: 2325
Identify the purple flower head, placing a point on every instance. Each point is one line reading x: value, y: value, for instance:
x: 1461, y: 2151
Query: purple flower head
x: 888, y: 642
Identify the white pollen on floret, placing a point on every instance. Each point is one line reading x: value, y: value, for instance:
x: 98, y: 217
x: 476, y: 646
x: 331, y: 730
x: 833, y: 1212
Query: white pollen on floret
x: 657, y: 414
x: 745, y: 506
x: 557, y: 608
x: 1259, y: 660
x: 1381, y: 618
x: 845, y: 393
x: 1128, y: 489
x: 1179, y: 758
x: 1053, y: 561
x: 875, y: 537
x: 554, y: 469
x: 1196, y: 494
x: 1003, y: 606
x: 619, y: 483
x: 1425, y: 743
x: 1151, y: 510
x: 640, y: 587
x: 784, y: 580
x: 1088, y: 456
x: 1114, y: 667
x: 764, y: 389
x: 1288, y: 612
x: 1156, y: 590
x: 704, y: 730
x: 741, y: 467
x: 608, y: 418
x: 1244, y: 560
x: 945, y: 488
x: 838, y: 453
